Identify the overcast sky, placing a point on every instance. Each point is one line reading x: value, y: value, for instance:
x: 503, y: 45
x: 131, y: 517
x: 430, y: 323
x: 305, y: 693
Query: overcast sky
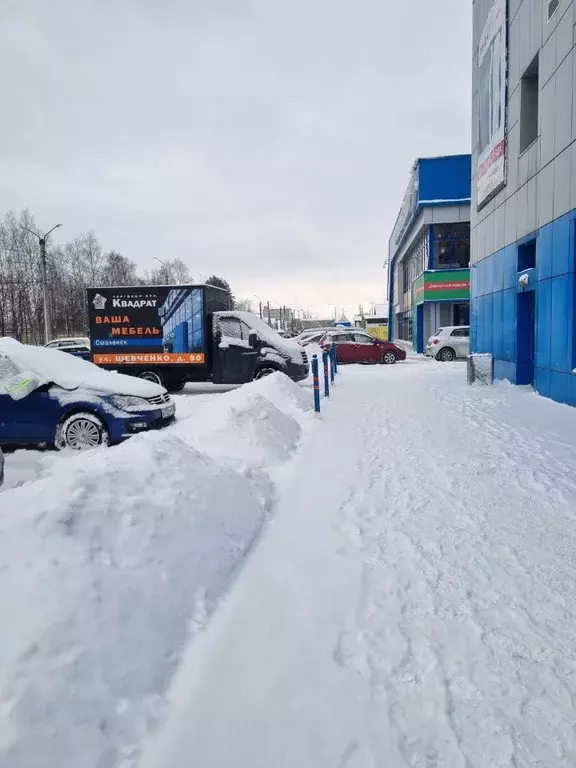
x: 268, y: 141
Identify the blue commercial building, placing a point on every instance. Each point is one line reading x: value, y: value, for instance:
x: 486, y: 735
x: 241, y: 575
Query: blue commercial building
x: 429, y: 251
x: 524, y: 192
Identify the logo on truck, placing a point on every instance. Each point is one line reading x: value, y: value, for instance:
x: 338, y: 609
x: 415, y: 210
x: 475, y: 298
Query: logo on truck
x: 99, y: 301
x: 134, y: 303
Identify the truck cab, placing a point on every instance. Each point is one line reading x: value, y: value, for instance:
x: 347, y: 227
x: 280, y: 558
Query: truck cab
x: 275, y: 353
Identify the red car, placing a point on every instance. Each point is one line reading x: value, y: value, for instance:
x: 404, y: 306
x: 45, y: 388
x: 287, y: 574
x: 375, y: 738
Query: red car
x: 359, y: 347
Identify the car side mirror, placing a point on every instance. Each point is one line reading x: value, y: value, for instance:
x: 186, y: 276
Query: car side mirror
x: 253, y: 339
x: 22, y: 385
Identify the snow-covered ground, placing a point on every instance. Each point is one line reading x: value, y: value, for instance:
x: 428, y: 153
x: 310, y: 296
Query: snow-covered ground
x: 112, y: 560
x: 413, y: 602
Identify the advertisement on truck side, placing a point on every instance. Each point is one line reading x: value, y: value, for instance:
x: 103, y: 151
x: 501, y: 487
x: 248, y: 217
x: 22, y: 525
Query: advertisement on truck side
x: 147, y: 326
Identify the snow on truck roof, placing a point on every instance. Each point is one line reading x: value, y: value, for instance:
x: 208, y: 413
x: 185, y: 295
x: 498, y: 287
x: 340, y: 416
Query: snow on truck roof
x: 264, y: 330
x: 70, y: 372
x: 145, y: 288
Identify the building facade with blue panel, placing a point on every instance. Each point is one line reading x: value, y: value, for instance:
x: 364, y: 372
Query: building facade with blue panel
x: 523, y: 244
x: 429, y: 251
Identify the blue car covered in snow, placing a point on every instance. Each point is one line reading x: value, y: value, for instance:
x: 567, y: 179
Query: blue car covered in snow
x: 48, y: 397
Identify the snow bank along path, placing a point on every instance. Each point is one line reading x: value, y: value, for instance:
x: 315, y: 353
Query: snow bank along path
x: 112, y: 561
x: 414, y: 600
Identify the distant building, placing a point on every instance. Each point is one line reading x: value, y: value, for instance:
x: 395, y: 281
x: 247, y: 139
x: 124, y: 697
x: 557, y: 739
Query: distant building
x: 524, y: 192
x: 316, y: 323
x: 375, y: 321
x: 429, y: 251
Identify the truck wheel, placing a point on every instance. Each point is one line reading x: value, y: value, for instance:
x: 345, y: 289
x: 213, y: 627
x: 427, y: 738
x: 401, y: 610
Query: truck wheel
x: 152, y: 376
x: 175, y: 386
x: 82, y: 431
x: 266, y: 370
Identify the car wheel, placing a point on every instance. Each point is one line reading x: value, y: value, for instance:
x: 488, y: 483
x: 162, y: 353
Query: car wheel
x: 388, y: 358
x: 446, y: 355
x: 82, y: 431
x: 152, y: 376
x: 267, y: 370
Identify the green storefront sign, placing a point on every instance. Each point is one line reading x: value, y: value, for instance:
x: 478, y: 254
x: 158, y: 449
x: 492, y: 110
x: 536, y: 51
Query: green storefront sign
x: 442, y: 285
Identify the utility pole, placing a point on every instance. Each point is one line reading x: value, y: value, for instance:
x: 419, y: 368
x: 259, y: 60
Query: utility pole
x: 269, y: 316
x: 260, y: 310
x: 44, y: 265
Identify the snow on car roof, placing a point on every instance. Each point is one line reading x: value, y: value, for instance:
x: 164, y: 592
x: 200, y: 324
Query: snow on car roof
x: 71, y: 372
x: 61, y: 339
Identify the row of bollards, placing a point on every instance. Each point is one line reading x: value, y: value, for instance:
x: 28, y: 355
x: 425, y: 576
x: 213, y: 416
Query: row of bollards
x: 330, y: 363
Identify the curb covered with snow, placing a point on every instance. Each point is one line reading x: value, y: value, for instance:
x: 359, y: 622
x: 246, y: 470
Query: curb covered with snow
x: 113, y: 558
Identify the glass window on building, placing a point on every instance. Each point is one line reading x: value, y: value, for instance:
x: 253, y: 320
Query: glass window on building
x: 405, y: 326
x: 462, y: 314
x: 442, y: 254
x: 415, y: 262
x: 451, y: 246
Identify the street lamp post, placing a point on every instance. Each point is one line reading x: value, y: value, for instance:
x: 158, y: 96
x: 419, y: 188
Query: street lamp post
x: 44, y: 263
x: 260, y: 300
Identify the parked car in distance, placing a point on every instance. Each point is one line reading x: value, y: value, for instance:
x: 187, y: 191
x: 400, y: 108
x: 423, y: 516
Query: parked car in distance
x: 449, y: 343
x: 51, y: 398
x: 359, y: 347
x: 69, y: 341
x: 312, y: 336
x: 78, y: 346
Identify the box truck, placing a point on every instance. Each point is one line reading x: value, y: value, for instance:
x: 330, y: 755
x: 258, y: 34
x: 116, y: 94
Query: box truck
x: 173, y: 334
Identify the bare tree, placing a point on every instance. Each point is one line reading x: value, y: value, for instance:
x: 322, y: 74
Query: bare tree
x: 118, y: 270
x: 243, y: 305
x: 71, y: 268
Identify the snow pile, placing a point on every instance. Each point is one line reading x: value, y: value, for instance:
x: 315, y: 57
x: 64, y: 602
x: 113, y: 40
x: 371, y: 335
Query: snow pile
x: 103, y: 566
x: 259, y: 424
x: 113, y: 560
x: 70, y: 372
x: 287, y: 396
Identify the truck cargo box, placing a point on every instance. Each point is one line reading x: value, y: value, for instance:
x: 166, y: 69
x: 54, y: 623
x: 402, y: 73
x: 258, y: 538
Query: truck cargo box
x: 165, y: 328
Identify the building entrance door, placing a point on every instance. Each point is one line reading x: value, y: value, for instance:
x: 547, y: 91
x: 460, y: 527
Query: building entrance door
x: 525, y: 338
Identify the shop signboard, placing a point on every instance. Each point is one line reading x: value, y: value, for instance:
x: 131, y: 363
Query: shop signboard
x: 491, y: 99
x: 438, y: 285
x: 159, y: 325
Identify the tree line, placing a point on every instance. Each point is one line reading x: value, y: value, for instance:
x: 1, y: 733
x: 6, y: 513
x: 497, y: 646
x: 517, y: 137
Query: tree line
x: 71, y: 268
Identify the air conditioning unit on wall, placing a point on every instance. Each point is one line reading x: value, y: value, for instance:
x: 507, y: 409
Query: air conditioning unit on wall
x: 553, y: 6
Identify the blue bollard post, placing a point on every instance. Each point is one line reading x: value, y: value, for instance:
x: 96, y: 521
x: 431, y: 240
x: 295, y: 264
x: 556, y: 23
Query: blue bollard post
x: 326, y: 373
x: 331, y: 358
x: 335, y: 358
x: 316, y: 380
